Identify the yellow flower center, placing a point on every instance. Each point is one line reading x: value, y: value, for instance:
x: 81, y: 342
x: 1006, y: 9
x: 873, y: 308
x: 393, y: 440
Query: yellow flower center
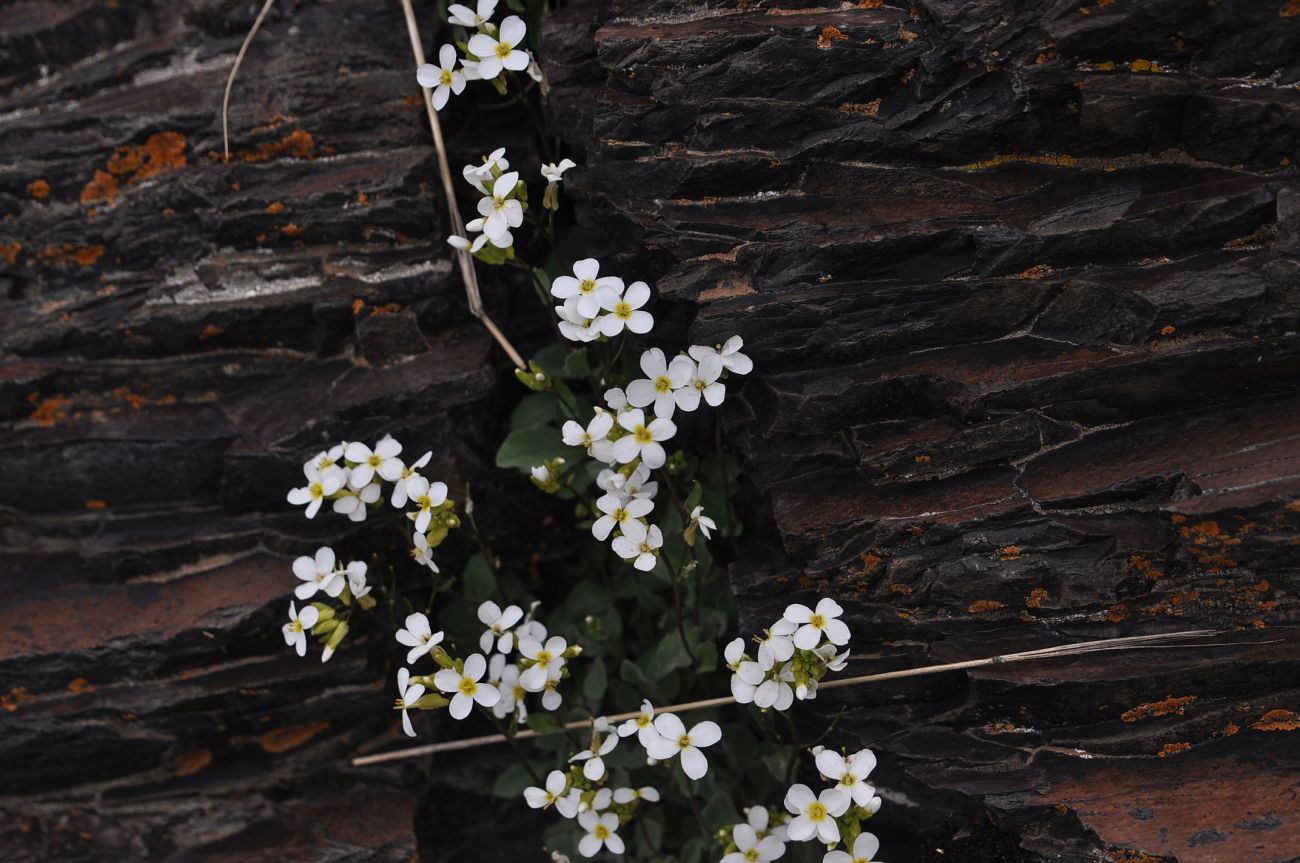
x: 317, y: 490
x: 622, y: 310
x: 817, y: 811
x: 503, y: 50
x: 848, y: 779
x: 587, y: 285
x: 468, y: 687
x: 684, y: 741
x: 752, y: 855
x: 619, y: 515
x: 544, y: 658
x: 375, y: 460
x: 663, y: 383
x: 642, y: 721
x: 445, y: 78
x: 601, y: 832
x: 424, y: 502
x: 295, y: 626
x: 700, y: 384
x: 519, y: 693
x: 818, y: 621
x: 644, y: 435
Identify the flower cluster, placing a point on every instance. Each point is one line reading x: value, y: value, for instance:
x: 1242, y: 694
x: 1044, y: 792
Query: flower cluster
x: 836, y: 814
x: 595, y: 305
x: 351, y: 475
x: 621, y: 436
x: 792, y: 656
x: 489, y: 678
x: 490, y: 52
x: 582, y: 791
x: 760, y: 838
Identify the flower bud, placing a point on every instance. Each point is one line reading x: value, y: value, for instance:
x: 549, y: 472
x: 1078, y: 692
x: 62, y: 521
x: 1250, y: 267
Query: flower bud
x: 340, y: 633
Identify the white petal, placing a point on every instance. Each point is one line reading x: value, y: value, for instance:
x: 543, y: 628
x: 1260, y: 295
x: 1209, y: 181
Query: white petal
x: 694, y: 764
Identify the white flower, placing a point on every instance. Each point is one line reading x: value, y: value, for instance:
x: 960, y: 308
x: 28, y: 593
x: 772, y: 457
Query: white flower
x: 864, y: 849
x: 321, y: 483
x: 551, y: 698
x: 443, y: 79
x: 594, y: 437
x: 758, y: 817
x: 497, y: 54
x: 418, y: 636
x: 354, y: 504
x: 471, y: 18
x: 661, y: 378
x: 502, y: 240
x: 553, y: 173
x: 547, y: 659
x: 625, y: 312
x: 644, y: 440
x: 630, y: 487
x: 703, y: 382
x: 574, y: 326
x: 702, y: 522
x: 589, y: 288
x: 425, y: 496
x: 512, y: 693
x: 551, y: 795
x: 398, y: 500
x: 356, y: 573
x: 381, y: 460
x: 815, y: 623
x: 642, y: 725
x: 734, y: 653
x: 745, y: 681
x: 601, y: 832
x: 834, y: 661
x: 318, y: 575
x: 623, y: 796
x: 409, y: 694
x: 479, y: 176
x: 594, y: 768
x: 541, y: 473
x: 814, y: 816
x: 500, y: 211
x: 751, y: 849
x: 643, y: 554
x: 295, y: 631
x: 616, y: 399
x: 333, y: 457
x: 621, y: 513
x: 421, y: 553
x: 776, y: 645
x: 776, y: 690
x: 674, y: 739
x: 467, y: 687
x: 732, y: 359
x: 498, y: 624
x: 850, y: 773
x: 456, y: 241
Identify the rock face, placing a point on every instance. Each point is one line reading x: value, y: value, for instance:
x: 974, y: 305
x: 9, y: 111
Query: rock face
x: 1020, y: 281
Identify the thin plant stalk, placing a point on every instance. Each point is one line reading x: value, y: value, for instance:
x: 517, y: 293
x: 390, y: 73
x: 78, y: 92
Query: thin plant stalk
x: 234, y: 70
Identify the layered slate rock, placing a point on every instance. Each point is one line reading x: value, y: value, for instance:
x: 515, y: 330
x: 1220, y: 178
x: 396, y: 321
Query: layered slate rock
x: 1021, y: 284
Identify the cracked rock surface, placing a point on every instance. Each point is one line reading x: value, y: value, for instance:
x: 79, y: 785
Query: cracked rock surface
x: 1020, y: 283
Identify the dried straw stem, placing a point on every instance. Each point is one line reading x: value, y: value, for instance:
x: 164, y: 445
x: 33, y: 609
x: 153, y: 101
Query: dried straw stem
x: 234, y: 70
x: 1131, y: 642
x: 449, y: 188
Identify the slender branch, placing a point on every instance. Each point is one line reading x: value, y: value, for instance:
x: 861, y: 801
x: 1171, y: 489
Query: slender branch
x: 234, y: 70
x: 1063, y: 650
x: 463, y: 257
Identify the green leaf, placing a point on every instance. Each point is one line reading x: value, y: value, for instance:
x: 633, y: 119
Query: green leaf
x: 719, y: 812
x: 707, y: 653
x: 576, y: 365
x: 596, y: 683
x: 695, y: 850
x: 534, y: 409
x: 512, y: 781
x: 544, y: 723
x: 524, y: 448
x: 479, y: 581
x: 632, y: 674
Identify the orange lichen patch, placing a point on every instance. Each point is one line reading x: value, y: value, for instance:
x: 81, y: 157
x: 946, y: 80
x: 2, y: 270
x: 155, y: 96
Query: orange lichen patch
x: 862, y: 109
x: 275, y: 208
x: 38, y: 189
x: 1290, y: 10
x: 18, y: 695
x: 870, y: 4
x: 275, y: 122
x: 102, y: 187
x: 1009, y: 552
x: 1002, y: 726
x: 9, y: 252
x: 1144, y: 66
x: 901, y: 588
x: 189, y: 763
x: 363, y: 198
x: 168, y: 212
x: 829, y: 36
x: 1146, y: 567
x: 1277, y: 720
x: 906, y: 35
x: 357, y: 306
x: 291, y: 230
x: 96, y: 504
x: 291, y: 737
x: 211, y: 331
x: 871, y: 560
x: 1037, y: 597
x: 1117, y: 613
x: 981, y: 605
x: 1167, y: 330
x: 61, y: 256
x: 921, y: 459
x: 1170, y: 704
x: 1055, y: 160
x: 298, y: 144
x: 386, y: 309
x: 80, y: 685
x: 50, y: 411
x: 1037, y: 271
x: 1174, y: 749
